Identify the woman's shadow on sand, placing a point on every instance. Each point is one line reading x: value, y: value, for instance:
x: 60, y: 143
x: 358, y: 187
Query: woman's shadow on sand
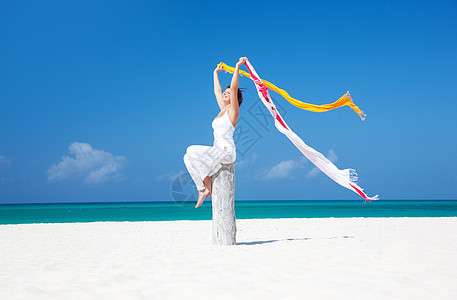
x: 297, y: 239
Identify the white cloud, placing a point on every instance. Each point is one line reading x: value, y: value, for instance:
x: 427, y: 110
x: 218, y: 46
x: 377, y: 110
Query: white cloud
x: 170, y: 176
x: 4, y: 162
x: 283, y: 169
x: 96, y: 166
x: 331, y: 156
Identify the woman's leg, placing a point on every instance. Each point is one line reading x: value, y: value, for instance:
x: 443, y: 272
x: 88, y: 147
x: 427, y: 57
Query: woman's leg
x: 203, y: 192
x: 193, y: 172
x: 207, y: 182
x: 201, y: 163
x: 205, y: 160
x: 201, y: 197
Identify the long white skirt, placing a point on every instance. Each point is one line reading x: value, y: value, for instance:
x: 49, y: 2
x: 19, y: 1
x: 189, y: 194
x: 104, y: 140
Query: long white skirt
x: 202, y: 161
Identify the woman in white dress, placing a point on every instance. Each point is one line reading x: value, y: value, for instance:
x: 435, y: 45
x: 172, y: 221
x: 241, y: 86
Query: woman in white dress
x: 202, y: 162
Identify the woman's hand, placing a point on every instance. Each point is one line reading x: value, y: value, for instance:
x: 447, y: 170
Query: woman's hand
x: 218, y: 68
x: 241, y: 61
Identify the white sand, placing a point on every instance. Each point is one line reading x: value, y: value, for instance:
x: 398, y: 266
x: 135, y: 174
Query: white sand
x: 354, y: 258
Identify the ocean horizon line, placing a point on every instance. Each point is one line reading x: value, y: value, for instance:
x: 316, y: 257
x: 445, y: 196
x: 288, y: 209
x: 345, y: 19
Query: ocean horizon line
x: 240, y: 200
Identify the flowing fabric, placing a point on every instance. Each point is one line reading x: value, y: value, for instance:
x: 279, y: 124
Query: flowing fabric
x: 346, y: 177
x: 346, y: 99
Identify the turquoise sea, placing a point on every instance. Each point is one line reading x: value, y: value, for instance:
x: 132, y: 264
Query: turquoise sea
x: 168, y: 210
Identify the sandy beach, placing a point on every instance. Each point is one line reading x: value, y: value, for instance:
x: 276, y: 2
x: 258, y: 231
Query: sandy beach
x: 328, y: 258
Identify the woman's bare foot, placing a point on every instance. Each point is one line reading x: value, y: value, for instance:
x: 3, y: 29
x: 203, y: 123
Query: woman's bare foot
x: 207, y: 182
x: 201, y: 197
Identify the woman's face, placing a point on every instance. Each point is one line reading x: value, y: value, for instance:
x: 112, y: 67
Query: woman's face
x: 226, y: 96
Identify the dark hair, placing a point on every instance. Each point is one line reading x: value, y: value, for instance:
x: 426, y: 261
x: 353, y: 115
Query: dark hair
x: 240, y: 95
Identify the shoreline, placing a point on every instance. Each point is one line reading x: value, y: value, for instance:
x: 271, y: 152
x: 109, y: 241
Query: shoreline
x: 210, y: 220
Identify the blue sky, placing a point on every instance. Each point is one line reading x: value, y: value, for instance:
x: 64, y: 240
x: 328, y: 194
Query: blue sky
x: 100, y: 99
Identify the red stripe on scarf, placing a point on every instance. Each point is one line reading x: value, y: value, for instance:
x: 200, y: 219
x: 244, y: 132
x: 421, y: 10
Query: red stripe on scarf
x: 359, y: 191
x: 264, y: 91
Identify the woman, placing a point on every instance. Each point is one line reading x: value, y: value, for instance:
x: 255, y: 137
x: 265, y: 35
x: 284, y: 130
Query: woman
x: 202, y: 162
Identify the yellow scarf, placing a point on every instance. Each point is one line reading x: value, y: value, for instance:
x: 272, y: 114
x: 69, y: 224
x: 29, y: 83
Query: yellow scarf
x: 344, y: 100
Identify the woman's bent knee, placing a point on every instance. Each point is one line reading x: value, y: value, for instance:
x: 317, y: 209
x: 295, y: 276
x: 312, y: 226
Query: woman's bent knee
x: 186, y: 159
x: 190, y: 149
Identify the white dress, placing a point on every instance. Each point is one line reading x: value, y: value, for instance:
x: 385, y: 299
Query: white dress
x: 202, y: 161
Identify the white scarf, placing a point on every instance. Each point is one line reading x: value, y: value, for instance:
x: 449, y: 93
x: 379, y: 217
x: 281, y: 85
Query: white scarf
x: 346, y: 177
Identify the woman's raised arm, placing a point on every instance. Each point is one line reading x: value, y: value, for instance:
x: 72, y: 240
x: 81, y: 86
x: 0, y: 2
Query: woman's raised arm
x: 234, y: 85
x: 217, y: 87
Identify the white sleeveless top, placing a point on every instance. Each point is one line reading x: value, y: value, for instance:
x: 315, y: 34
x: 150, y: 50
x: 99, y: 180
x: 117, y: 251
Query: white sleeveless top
x: 223, y: 133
